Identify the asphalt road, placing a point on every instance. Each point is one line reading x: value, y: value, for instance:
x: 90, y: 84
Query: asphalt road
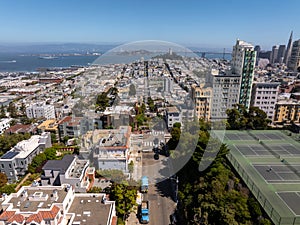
x: 160, y: 194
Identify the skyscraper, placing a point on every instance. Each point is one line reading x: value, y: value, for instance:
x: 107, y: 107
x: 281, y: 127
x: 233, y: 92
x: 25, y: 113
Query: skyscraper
x: 243, y: 63
x: 274, y: 54
x: 294, y: 62
x: 281, y: 52
x: 288, y: 50
x: 257, y: 49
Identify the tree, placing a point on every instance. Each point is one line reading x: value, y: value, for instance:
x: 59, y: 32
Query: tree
x: 25, y: 120
x: 114, y: 175
x: 23, y: 109
x: 241, y: 118
x: 12, y: 110
x: 7, y: 141
x: 258, y: 119
x: 177, y: 124
x: 140, y: 118
x: 8, y: 189
x: 102, y: 101
x: 254, y: 208
x: 125, y: 197
x: 37, y: 162
x: 131, y: 167
x: 132, y: 91
x: 2, y: 112
x: 65, y: 139
x: 151, y: 104
x: 50, y: 153
x: 95, y: 190
x: 13, y: 122
x: 265, y: 221
x: 53, y: 138
x: 207, y: 197
x: 3, y: 179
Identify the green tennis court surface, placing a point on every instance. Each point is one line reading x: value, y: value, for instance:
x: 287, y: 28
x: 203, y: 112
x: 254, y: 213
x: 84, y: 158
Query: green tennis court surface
x: 269, y: 163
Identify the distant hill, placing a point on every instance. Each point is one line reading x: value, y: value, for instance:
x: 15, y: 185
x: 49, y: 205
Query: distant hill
x: 55, y: 48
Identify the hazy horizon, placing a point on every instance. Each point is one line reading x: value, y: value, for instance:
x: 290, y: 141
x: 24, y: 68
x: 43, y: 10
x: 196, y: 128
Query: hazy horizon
x: 206, y: 24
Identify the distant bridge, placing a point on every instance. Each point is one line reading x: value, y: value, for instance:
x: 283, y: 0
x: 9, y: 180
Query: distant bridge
x: 203, y: 53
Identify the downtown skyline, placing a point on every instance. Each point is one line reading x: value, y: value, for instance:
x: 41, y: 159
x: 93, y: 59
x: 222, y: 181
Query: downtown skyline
x: 215, y: 24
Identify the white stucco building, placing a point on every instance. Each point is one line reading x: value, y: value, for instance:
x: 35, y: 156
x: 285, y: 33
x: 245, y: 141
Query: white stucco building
x: 40, y: 110
x: 264, y: 96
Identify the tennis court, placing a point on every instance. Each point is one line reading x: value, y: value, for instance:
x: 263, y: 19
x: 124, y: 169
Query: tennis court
x: 268, y: 162
x: 248, y: 135
x: 238, y: 136
x: 292, y: 200
x: 279, y: 173
x: 259, y: 150
x: 270, y: 136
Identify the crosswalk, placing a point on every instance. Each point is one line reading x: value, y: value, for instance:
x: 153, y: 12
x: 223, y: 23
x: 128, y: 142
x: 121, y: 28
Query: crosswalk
x: 148, y: 143
x: 155, y: 133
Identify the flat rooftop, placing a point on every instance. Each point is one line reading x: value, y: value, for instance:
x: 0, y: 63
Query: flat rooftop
x: 172, y: 109
x: 90, y: 210
x: 110, y: 138
x: 59, y: 165
x: 37, y: 198
x: 77, y: 169
x: 48, y: 125
x: 268, y: 161
x: 23, y: 148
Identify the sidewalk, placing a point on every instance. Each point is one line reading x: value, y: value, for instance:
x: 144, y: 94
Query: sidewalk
x: 24, y: 179
x: 136, y: 157
x: 132, y: 219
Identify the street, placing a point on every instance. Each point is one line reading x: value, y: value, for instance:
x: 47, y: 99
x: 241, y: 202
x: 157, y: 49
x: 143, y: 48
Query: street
x: 160, y: 194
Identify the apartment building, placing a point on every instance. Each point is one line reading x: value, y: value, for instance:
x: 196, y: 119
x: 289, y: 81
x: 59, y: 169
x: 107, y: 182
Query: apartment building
x: 108, y: 149
x: 4, y: 124
x: 40, y: 110
x: 225, y: 93
x: 68, y: 170
x: 56, y: 205
x: 173, y: 115
x: 202, y: 97
x: 287, y: 111
x: 14, y: 163
x: 264, y: 96
x: 243, y: 64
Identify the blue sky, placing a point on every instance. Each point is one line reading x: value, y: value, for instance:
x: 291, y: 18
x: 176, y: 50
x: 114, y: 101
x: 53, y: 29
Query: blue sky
x: 204, y: 23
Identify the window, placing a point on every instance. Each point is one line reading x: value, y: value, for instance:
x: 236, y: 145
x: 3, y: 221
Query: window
x: 2, y: 165
x: 9, y: 165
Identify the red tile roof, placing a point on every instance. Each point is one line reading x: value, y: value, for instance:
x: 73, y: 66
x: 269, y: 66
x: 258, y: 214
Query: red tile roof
x: 17, y: 218
x: 43, y: 215
x: 20, y: 128
x: 50, y: 215
x: 6, y: 215
x: 34, y: 217
x: 65, y: 120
